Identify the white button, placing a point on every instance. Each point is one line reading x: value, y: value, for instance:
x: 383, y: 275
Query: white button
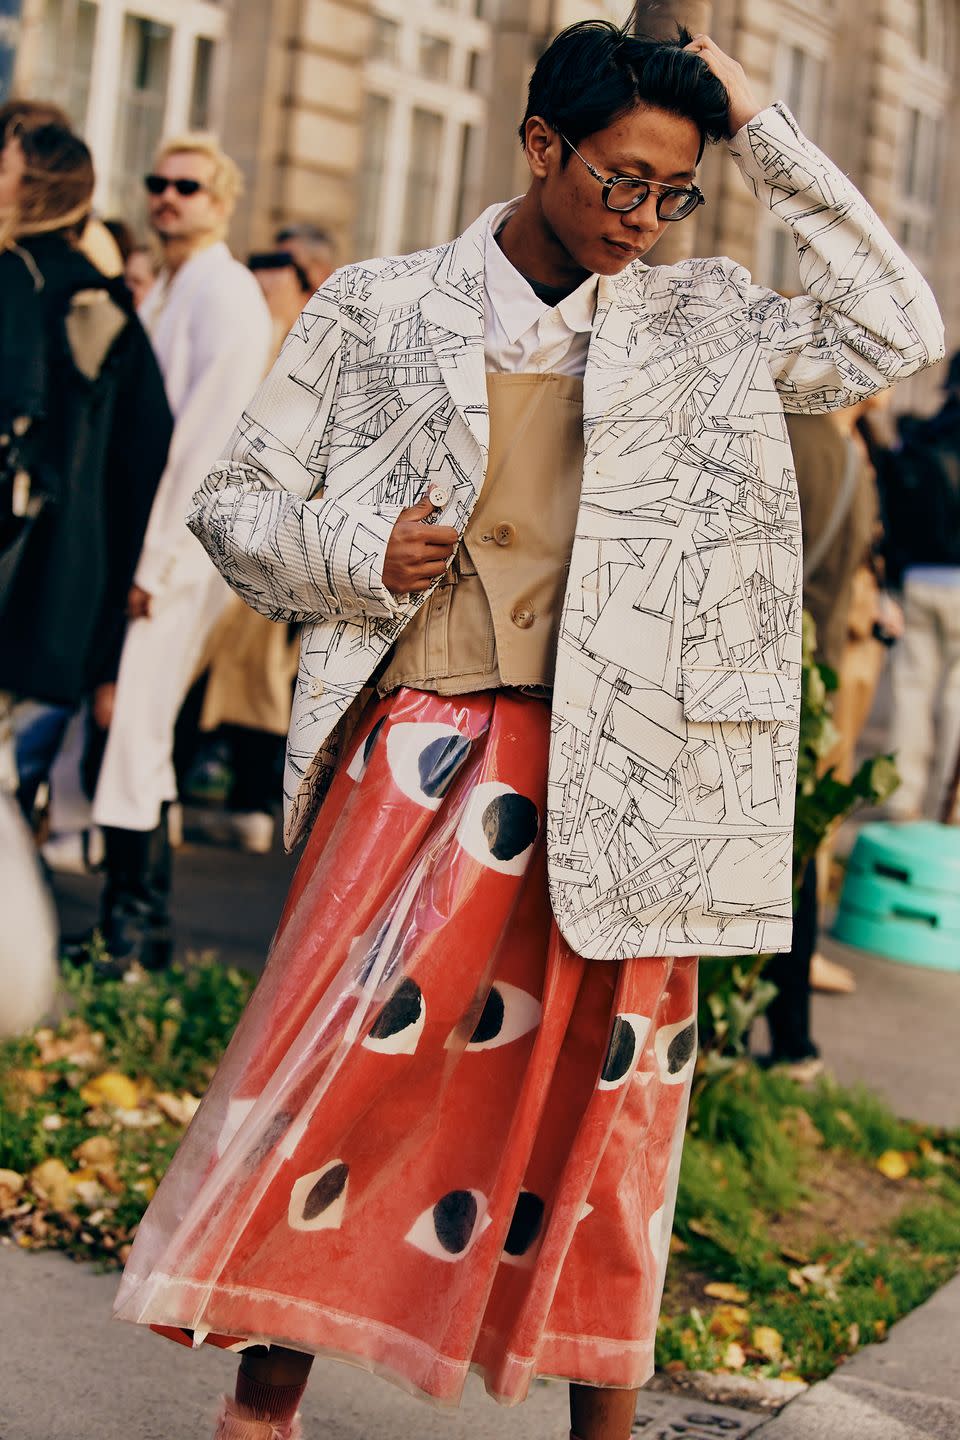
x: 316, y: 689
x: 438, y: 495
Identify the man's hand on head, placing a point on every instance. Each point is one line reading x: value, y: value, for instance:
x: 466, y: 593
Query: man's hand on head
x: 743, y: 103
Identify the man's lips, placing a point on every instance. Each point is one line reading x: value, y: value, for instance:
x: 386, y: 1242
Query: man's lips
x: 632, y: 250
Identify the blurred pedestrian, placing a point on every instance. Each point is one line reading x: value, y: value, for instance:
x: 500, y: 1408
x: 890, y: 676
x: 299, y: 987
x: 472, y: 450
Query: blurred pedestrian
x: 921, y: 491
x: 141, y: 272
x: 839, y: 511
x: 123, y: 236
x: 286, y: 288
x: 447, y: 1133
x: 84, y: 430
x: 211, y: 331
x: 313, y: 250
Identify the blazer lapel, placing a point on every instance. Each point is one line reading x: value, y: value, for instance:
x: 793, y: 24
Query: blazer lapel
x: 452, y: 311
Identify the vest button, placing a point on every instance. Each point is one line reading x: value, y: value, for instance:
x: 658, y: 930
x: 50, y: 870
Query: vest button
x: 505, y: 534
x: 523, y: 619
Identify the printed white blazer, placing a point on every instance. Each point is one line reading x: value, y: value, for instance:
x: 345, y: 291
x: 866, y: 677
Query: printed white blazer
x: 675, y: 710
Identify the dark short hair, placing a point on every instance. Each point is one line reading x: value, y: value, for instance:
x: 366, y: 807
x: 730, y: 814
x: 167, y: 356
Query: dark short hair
x: 594, y: 72
x: 280, y: 260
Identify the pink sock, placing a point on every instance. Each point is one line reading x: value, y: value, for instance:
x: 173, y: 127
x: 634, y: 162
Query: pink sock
x: 268, y: 1402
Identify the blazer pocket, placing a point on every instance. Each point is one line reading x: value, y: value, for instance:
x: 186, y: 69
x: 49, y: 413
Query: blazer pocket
x: 724, y: 693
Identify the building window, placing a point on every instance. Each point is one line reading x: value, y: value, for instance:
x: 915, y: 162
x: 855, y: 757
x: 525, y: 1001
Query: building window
x: 931, y: 33
x: 376, y: 125
x: 434, y: 57
x: 423, y: 177
x: 200, y: 88
x: 920, y: 174
x: 68, y: 32
x: 799, y: 80
x: 141, y: 101
x: 385, y: 41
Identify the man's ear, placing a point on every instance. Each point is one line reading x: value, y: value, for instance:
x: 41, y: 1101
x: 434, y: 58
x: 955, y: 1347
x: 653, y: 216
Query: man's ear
x: 542, y: 145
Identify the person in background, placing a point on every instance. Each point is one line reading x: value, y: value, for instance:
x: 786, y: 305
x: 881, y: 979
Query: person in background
x: 84, y: 431
x: 920, y: 484
x: 253, y: 660
x: 286, y: 288
x: 140, y: 271
x: 840, y: 517
x: 211, y: 331
x: 123, y: 236
x: 312, y: 248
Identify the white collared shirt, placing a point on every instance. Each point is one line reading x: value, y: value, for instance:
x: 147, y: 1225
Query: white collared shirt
x: 520, y: 332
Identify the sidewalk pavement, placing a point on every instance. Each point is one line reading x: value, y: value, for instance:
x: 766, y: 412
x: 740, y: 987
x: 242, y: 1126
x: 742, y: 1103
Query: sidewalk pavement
x: 905, y: 1389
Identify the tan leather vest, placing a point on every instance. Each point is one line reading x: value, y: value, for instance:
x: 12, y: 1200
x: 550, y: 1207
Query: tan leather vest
x: 494, y: 619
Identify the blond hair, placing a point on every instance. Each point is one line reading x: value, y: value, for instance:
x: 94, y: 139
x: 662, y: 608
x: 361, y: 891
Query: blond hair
x: 226, y: 182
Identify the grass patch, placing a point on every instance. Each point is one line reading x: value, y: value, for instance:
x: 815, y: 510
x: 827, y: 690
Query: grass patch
x: 808, y: 1219
x: 92, y: 1112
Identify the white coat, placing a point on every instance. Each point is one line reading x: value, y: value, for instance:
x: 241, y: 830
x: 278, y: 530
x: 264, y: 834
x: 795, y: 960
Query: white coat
x: 676, y: 702
x: 212, y: 333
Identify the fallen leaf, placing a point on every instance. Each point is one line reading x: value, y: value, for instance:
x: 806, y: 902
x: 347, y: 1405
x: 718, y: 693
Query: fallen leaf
x: 98, y: 1150
x: 720, y: 1290
x: 12, y: 1180
x: 894, y: 1165
x: 137, y: 1118
x: 800, y: 1256
x: 931, y: 1153
x: 52, y: 1122
x: 51, y: 1180
x: 796, y: 1280
x: 111, y: 1088
x: 768, y: 1341
x: 178, y: 1108
x: 31, y: 1082
x: 79, y: 1045
x: 728, y: 1320
x: 734, y: 1356
x: 853, y: 1337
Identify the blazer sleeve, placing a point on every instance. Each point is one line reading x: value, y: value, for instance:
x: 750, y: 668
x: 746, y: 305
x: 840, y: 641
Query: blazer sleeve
x: 291, y: 551
x: 867, y: 318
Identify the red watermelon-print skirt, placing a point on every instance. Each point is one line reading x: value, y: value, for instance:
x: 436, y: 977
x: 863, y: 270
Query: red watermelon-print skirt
x: 440, y: 1141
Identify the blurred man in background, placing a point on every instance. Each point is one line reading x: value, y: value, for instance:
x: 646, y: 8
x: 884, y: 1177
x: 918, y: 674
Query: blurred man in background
x: 212, y: 334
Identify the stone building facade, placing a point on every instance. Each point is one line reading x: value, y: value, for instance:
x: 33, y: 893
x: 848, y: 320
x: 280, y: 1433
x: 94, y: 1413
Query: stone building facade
x: 393, y: 124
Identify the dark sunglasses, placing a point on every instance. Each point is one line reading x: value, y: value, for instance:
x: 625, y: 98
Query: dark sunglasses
x: 159, y: 184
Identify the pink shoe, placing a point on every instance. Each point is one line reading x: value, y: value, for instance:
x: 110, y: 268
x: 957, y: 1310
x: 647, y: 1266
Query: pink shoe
x: 236, y: 1423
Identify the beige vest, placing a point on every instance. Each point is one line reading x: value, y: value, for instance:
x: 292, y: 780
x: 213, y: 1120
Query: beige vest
x: 494, y: 619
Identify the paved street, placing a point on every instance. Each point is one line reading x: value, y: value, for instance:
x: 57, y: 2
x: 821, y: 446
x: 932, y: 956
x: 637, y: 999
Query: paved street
x: 70, y: 1373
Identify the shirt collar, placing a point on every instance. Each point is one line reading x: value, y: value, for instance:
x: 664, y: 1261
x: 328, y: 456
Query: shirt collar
x: 517, y: 307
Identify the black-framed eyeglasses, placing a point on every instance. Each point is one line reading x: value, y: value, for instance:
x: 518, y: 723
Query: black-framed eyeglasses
x: 159, y: 184
x: 624, y: 193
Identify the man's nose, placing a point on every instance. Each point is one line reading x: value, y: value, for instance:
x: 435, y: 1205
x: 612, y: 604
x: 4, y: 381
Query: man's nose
x: 644, y: 217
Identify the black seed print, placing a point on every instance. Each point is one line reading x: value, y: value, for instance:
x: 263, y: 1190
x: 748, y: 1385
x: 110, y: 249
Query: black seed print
x: 620, y: 1051
x: 274, y: 1132
x: 681, y: 1048
x: 525, y: 1225
x: 454, y: 1217
x: 491, y: 1021
x: 372, y: 738
x: 401, y: 1010
x: 510, y: 823
x: 328, y: 1188
x: 439, y: 762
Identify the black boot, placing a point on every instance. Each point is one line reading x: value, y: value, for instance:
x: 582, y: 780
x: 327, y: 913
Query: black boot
x: 134, y: 906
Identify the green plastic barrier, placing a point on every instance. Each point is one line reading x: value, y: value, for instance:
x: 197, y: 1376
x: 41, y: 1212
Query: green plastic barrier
x: 901, y: 895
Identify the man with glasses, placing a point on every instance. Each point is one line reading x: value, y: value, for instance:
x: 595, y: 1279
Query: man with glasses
x: 211, y: 331
x: 448, y: 1131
